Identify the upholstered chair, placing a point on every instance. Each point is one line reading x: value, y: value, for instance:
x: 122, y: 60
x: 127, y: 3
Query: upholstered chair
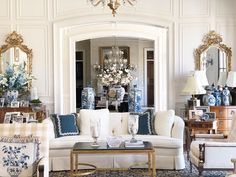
x: 214, y: 154
x: 24, y: 149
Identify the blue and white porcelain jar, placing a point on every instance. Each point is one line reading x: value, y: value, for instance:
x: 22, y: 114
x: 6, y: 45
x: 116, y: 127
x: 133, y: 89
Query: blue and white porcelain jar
x: 88, y: 98
x: 135, y: 99
x: 226, y: 96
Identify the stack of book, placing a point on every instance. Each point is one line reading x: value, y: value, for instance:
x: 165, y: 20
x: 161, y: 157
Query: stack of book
x: 138, y: 143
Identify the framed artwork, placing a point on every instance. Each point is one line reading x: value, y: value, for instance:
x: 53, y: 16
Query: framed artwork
x: 209, y: 116
x: 10, y: 116
x: 15, y: 104
x: 203, y: 108
x: 17, y: 119
x: 7, y: 118
x: 195, y: 114
x: 105, y: 51
x: 32, y: 116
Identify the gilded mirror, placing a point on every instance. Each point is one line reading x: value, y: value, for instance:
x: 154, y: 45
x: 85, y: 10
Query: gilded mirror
x: 213, y: 57
x: 14, y: 52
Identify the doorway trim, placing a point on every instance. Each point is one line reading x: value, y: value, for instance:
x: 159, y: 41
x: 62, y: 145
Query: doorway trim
x: 65, y: 37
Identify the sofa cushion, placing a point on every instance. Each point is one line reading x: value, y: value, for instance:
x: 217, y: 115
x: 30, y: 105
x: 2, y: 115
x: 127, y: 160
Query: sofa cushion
x: 19, y: 155
x: 163, y: 122
x: 65, y: 125
x: 84, y: 120
x: 146, y: 123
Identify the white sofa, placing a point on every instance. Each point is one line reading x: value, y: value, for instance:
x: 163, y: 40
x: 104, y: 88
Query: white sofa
x: 168, y: 143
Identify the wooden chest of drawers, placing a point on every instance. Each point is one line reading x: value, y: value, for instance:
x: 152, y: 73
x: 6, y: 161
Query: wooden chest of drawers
x: 224, y: 116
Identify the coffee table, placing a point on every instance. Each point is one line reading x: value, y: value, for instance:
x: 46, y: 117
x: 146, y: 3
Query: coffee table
x: 103, y: 148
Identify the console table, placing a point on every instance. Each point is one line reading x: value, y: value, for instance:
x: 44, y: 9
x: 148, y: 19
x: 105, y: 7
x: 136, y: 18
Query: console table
x: 40, y: 115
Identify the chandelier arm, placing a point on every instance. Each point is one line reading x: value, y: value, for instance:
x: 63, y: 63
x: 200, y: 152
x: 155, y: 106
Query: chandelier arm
x: 95, y: 3
x: 131, y: 2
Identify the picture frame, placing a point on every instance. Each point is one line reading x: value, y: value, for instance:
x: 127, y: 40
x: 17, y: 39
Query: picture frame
x: 24, y: 103
x: 17, y: 119
x: 7, y: 119
x: 104, y: 51
x: 209, y: 116
x: 15, y: 104
x: 2, y: 102
x: 195, y: 114
x: 203, y: 108
x: 25, y: 117
x: 32, y: 116
x: 9, y: 116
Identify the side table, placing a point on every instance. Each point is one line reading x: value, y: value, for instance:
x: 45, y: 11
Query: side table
x: 193, y: 126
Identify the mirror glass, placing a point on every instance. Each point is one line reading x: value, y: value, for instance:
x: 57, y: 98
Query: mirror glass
x: 13, y: 56
x: 14, y: 52
x: 214, y: 58
x: 213, y: 61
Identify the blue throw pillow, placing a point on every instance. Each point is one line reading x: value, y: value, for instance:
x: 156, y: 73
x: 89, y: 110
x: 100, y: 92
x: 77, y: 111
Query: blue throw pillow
x: 65, y: 125
x: 146, y: 123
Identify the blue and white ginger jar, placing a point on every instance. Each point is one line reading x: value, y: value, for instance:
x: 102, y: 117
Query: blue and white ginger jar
x: 88, y: 98
x: 134, y: 100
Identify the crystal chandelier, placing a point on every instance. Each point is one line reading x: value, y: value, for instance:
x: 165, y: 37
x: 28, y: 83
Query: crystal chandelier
x: 116, y: 69
x: 113, y: 4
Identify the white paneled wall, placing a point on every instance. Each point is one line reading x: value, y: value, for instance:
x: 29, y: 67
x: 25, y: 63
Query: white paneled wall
x: 186, y: 20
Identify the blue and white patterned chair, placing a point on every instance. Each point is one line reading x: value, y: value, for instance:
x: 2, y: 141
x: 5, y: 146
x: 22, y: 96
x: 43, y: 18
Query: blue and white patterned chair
x: 24, y: 149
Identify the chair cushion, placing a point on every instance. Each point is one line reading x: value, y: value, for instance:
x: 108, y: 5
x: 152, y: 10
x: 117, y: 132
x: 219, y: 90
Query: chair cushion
x: 18, y: 156
x: 163, y: 122
x: 65, y: 125
x: 232, y: 132
x: 87, y: 114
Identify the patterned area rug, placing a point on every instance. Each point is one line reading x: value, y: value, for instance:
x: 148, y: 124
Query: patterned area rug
x: 160, y: 173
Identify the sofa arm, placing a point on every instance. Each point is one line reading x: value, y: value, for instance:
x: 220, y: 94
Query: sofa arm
x: 178, y: 128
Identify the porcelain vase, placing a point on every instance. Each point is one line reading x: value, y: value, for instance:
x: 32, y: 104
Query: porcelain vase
x: 134, y: 100
x: 88, y: 98
x: 11, y: 95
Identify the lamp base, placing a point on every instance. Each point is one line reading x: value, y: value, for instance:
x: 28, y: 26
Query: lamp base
x: 193, y: 102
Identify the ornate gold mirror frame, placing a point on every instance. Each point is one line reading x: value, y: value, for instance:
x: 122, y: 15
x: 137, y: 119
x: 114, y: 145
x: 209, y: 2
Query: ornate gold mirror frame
x: 212, y: 39
x: 15, y: 41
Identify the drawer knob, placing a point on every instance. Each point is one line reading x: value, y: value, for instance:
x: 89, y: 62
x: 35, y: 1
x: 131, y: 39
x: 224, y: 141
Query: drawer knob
x: 232, y: 112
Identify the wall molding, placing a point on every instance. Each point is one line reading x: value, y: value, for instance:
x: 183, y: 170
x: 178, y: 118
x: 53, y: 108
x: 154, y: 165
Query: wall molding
x: 43, y: 16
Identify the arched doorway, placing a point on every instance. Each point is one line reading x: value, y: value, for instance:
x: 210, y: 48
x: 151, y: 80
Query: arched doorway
x: 65, y: 37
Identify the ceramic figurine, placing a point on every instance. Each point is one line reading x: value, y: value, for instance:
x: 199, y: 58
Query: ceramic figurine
x: 226, y: 96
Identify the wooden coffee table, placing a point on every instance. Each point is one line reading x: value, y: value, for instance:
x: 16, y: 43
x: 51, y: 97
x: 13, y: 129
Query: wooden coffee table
x: 86, y: 148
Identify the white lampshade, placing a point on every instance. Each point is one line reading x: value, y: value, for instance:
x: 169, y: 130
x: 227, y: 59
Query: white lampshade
x: 193, y: 86
x: 231, y: 80
x: 201, y: 75
x: 222, y: 79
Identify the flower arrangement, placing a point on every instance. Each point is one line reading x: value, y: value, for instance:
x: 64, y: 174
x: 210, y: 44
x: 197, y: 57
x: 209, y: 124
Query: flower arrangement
x: 113, y: 75
x: 15, y: 78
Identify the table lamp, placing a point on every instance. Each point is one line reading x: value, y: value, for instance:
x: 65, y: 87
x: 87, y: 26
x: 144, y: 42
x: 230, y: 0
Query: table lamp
x: 193, y: 87
x: 222, y: 79
x: 231, y: 82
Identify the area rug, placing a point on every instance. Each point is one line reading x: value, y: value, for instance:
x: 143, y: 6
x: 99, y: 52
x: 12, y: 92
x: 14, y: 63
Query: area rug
x: 160, y: 173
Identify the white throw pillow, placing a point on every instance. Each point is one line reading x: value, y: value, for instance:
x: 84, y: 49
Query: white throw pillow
x: 163, y: 122
x: 87, y: 114
x: 232, y: 132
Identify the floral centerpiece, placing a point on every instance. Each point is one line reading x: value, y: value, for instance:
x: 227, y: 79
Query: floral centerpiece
x: 113, y: 75
x: 15, y: 79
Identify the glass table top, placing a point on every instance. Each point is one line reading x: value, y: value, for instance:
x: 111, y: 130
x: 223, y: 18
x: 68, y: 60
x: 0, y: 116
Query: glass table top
x: 103, y: 146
